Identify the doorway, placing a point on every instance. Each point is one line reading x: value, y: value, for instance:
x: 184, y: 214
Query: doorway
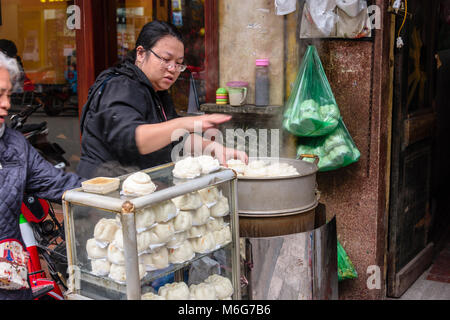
x: 418, y: 143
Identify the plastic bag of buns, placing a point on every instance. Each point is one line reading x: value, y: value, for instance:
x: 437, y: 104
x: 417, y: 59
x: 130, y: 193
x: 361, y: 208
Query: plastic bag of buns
x: 335, y: 150
x: 311, y: 110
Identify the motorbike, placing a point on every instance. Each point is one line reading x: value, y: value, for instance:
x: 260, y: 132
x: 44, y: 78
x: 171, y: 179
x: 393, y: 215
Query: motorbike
x: 43, y: 234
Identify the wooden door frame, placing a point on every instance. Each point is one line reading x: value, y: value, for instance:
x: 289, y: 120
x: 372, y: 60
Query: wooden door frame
x: 211, y: 10
x: 410, y: 131
x: 96, y: 42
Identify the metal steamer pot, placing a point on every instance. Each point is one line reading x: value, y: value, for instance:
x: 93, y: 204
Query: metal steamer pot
x: 270, y: 196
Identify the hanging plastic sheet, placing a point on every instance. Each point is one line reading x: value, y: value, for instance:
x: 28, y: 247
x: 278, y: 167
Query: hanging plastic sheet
x: 353, y: 19
x: 335, y: 19
x: 311, y: 109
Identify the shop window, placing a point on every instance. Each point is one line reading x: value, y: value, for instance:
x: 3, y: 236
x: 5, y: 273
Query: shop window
x: 47, y: 51
x: 188, y: 17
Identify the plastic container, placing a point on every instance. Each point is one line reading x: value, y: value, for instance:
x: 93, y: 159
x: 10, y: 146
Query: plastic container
x: 221, y: 96
x: 262, y: 83
x: 237, y: 92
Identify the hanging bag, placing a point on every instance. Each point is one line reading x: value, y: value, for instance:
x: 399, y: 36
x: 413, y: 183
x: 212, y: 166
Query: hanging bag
x: 13, y: 265
x: 335, y: 150
x: 311, y: 110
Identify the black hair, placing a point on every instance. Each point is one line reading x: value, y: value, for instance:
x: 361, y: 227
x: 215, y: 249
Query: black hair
x: 150, y: 34
x: 8, y: 47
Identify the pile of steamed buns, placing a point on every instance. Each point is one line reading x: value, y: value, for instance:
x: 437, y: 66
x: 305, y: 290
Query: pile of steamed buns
x: 215, y: 287
x: 170, y: 232
x: 192, y: 167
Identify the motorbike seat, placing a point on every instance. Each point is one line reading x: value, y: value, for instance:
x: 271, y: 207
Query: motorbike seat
x: 33, y: 127
x: 39, y: 291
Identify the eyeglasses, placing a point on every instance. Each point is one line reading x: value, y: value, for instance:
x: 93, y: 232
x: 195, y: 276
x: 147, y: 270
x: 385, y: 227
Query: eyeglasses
x: 165, y: 63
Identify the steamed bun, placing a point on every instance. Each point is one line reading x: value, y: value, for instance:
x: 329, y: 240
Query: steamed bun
x: 118, y: 273
x: 200, y: 216
x: 164, y: 211
x: 100, y: 267
x: 183, y: 221
x: 208, y: 164
x: 280, y: 169
x: 151, y: 296
x: 115, y: 255
x: 237, y: 165
x: 221, y: 208
x: 138, y: 184
x: 187, y: 168
x: 182, y: 253
x: 162, y: 233
x: 177, y: 240
x: 196, y: 231
x: 222, y: 236
x: 202, y: 291
x: 222, y: 285
x: 203, y: 244
x: 188, y: 201
x: 209, y: 195
x: 215, y: 224
x: 256, y: 168
x: 105, y: 229
x: 143, y: 240
x: 158, y: 259
x: 174, y: 291
x: 145, y: 218
x: 94, y: 251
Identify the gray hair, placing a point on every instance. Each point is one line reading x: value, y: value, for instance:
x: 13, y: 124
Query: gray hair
x: 11, y: 65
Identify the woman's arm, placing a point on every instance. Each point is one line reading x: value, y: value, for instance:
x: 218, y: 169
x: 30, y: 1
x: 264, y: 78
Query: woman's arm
x: 44, y: 180
x: 152, y: 137
x: 196, y: 144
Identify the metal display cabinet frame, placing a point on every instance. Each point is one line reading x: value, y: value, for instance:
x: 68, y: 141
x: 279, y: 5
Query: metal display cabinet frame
x: 127, y: 209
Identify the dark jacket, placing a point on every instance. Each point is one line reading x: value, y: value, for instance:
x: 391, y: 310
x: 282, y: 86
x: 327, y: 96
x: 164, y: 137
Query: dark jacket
x: 121, y: 99
x: 22, y: 170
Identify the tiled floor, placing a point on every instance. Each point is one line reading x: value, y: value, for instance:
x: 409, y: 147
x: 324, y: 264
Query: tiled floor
x: 424, y: 289
x: 440, y: 271
x: 433, y: 284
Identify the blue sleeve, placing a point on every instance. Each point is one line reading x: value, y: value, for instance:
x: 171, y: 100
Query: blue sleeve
x: 44, y: 180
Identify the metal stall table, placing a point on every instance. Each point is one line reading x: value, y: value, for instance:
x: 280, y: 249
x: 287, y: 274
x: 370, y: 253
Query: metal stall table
x: 83, y: 210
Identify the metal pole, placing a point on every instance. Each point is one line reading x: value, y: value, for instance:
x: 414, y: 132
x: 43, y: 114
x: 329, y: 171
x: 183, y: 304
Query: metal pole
x: 131, y: 254
x: 73, y: 288
x: 235, y: 252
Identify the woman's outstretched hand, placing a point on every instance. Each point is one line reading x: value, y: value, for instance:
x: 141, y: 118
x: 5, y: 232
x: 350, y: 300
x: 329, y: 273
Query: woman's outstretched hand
x: 223, y: 154
x: 204, y: 122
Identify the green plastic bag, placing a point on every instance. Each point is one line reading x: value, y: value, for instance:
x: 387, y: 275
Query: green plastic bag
x: 346, y: 270
x: 335, y: 150
x: 311, y: 110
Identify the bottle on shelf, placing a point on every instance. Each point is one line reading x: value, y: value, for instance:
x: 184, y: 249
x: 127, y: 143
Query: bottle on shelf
x: 262, y: 83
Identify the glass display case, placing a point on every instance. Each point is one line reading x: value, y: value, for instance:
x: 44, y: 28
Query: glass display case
x: 141, y: 256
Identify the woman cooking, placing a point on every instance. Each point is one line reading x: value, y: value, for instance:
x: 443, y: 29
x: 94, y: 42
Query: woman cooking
x: 129, y: 122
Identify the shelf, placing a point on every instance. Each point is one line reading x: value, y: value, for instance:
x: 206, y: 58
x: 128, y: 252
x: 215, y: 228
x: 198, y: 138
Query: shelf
x: 245, y: 109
